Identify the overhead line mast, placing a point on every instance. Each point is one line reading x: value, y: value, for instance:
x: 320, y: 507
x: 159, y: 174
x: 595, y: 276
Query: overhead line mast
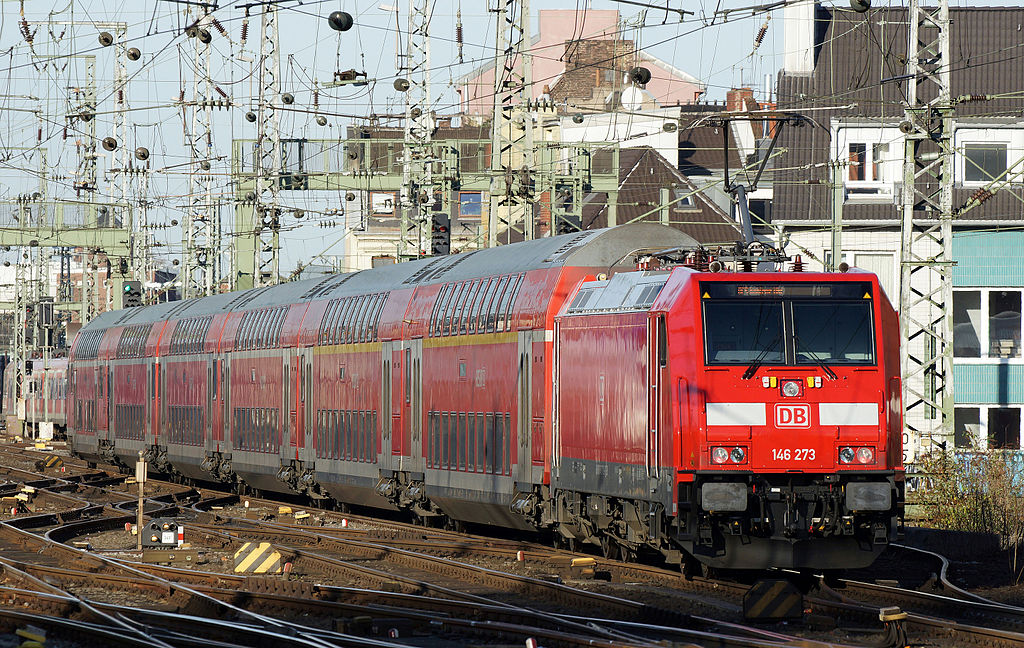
x: 926, y: 294
x: 511, y: 187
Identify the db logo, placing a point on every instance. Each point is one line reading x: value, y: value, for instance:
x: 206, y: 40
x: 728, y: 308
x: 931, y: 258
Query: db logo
x: 796, y: 416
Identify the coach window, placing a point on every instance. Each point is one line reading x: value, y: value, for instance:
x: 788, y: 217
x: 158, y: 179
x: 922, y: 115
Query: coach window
x: 474, y: 311
x: 362, y: 329
x: 462, y: 447
x: 485, y: 305
x: 364, y: 318
x: 352, y: 321
x: 345, y: 321
x: 494, y: 303
x: 450, y: 308
x: 479, y: 305
x: 467, y: 305
x: 506, y: 311
x: 325, y: 325
x: 333, y: 331
x: 438, y: 316
x: 357, y: 318
x: 371, y: 323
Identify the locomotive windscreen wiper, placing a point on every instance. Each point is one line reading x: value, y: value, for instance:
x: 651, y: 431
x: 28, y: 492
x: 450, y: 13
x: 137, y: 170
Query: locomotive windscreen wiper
x: 752, y: 369
x: 810, y: 354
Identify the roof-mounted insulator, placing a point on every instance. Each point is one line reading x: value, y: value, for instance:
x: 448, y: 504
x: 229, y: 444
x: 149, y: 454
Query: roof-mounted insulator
x: 798, y: 264
x: 747, y: 265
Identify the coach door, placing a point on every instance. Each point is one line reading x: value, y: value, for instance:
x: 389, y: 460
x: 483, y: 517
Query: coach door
x: 524, y: 409
x: 301, y: 441
x: 385, y: 406
x: 103, y: 406
x: 412, y: 409
x: 657, y: 361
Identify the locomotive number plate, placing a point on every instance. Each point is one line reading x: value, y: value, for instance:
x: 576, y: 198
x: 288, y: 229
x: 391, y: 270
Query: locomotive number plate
x: 796, y: 454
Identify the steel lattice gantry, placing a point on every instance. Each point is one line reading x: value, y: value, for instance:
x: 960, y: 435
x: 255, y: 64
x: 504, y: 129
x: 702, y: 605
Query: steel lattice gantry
x: 926, y: 303
x: 511, y: 184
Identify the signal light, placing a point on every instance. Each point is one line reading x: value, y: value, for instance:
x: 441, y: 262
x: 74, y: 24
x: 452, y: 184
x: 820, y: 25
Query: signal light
x: 131, y: 294
x: 440, y: 234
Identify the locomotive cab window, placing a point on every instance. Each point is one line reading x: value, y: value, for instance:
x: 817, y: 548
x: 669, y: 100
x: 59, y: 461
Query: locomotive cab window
x: 788, y: 324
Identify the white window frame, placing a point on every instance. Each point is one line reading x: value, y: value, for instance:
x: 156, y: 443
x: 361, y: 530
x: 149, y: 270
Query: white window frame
x: 1012, y: 138
x: 869, y: 190
x: 984, y: 330
x: 981, y: 441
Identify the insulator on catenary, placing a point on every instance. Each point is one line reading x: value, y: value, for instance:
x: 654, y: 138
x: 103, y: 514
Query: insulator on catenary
x: 245, y: 29
x: 458, y: 32
x: 760, y: 35
x: 981, y: 195
x: 220, y: 92
x: 316, y: 98
x: 219, y: 27
x: 25, y: 31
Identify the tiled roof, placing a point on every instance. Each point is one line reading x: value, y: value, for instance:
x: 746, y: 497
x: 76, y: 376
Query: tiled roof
x: 859, y: 67
x: 642, y: 175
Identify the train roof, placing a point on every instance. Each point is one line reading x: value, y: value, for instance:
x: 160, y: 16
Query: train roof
x: 601, y: 248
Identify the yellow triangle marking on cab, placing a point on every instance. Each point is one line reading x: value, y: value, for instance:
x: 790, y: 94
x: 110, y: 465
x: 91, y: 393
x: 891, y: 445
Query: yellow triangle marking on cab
x: 705, y: 296
x: 867, y: 295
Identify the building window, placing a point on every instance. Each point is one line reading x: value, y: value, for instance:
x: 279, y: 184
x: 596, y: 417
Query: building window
x: 1004, y: 428
x: 470, y: 204
x: 382, y: 202
x: 873, y: 157
x: 984, y: 162
x: 967, y: 427
x: 967, y: 324
x: 869, y: 162
x: 995, y: 427
x: 1004, y: 323
x: 989, y: 314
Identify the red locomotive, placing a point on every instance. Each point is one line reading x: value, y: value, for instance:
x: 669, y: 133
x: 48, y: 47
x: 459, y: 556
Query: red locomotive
x: 745, y: 419
x: 44, y: 391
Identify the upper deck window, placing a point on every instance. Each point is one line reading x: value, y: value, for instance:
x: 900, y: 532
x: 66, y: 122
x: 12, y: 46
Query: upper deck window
x: 790, y: 324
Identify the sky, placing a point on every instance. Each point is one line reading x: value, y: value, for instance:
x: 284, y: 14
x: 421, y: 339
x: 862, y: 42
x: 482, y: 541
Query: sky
x: 714, y: 44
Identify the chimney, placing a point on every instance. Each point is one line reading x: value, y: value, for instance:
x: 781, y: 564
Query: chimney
x: 798, y: 40
x: 739, y: 99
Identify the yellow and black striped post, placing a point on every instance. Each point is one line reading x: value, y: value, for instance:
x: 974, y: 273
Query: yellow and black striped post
x: 773, y: 599
x: 257, y: 558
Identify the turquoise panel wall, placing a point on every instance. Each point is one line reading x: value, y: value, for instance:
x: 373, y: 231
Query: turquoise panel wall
x: 988, y: 259
x: 991, y: 384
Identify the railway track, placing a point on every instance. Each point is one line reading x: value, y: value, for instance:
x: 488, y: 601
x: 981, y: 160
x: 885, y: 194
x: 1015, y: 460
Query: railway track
x: 223, y: 598
x: 384, y: 577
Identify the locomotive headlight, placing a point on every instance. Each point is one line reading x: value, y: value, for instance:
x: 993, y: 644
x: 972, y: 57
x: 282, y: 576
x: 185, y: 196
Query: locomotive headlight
x: 846, y: 455
x: 865, y: 455
x: 738, y: 455
x: 719, y: 455
x: 791, y: 388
